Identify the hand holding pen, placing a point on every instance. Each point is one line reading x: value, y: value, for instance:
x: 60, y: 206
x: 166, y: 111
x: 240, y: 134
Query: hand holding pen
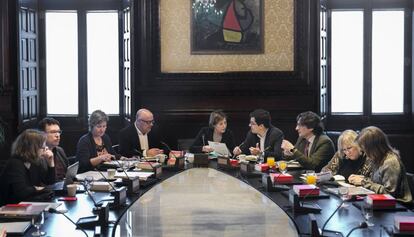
x: 237, y: 151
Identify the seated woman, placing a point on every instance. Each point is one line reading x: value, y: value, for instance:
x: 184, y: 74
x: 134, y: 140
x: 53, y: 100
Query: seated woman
x: 388, y: 174
x: 216, y: 132
x: 349, y: 159
x: 23, y: 178
x: 95, y: 147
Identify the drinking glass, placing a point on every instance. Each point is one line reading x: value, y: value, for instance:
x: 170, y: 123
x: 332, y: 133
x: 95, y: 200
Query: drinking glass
x: 310, y: 177
x: 367, y: 213
x: 344, y: 193
x: 88, y: 182
x: 283, y: 166
x: 271, y: 162
x: 37, y: 222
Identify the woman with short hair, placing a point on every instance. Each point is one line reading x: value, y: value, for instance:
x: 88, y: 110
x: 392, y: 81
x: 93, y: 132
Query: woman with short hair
x: 388, y: 176
x: 23, y: 178
x: 216, y: 132
x: 95, y: 147
x: 349, y: 159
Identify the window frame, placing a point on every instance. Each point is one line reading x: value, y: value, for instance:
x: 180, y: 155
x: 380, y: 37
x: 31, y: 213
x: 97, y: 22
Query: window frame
x: 393, y: 121
x: 82, y: 7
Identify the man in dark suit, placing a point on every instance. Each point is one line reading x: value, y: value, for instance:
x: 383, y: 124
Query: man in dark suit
x: 262, y: 137
x: 313, y: 149
x: 139, y: 138
x: 52, y: 129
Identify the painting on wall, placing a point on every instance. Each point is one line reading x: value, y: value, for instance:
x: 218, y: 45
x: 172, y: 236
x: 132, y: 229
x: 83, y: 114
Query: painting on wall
x: 227, y: 26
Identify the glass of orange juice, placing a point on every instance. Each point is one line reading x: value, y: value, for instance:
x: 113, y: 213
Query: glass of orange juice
x: 310, y: 177
x: 271, y: 162
x: 282, y: 166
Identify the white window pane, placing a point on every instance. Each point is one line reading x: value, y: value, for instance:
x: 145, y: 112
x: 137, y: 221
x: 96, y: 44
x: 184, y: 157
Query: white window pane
x: 347, y: 62
x: 62, y: 62
x: 103, y: 62
x: 387, y: 61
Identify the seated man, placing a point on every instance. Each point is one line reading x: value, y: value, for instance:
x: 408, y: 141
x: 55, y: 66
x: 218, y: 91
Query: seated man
x: 262, y: 137
x: 138, y: 138
x: 313, y: 149
x: 52, y: 129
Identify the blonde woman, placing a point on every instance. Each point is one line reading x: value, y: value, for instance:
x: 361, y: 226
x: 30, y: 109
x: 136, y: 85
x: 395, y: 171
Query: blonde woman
x: 349, y: 159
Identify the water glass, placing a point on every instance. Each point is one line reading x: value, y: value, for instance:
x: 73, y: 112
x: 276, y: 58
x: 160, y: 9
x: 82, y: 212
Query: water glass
x: 282, y: 166
x: 344, y: 194
x: 271, y: 162
x: 37, y: 222
x: 310, y: 177
x: 367, y: 213
x: 88, y: 182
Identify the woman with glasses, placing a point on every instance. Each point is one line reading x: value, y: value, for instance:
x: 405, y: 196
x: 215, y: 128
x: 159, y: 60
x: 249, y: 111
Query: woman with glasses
x: 95, y: 147
x: 216, y: 132
x: 23, y: 178
x: 349, y: 159
x: 388, y: 176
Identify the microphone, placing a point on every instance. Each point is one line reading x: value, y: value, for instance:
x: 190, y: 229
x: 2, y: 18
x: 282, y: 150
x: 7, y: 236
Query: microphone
x: 119, y: 194
x: 116, y: 160
x: 132, y: 184
x: 90, y: 196
x: 300, y: 206
x: 54, y: 211
x: 179, y: 163
x: 204, y: 142
x: 361, y: 225
x: 106, y: 179
x: 333, y: 213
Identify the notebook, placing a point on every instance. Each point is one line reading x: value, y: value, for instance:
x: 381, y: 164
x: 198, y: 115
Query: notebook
x: 15, y: 228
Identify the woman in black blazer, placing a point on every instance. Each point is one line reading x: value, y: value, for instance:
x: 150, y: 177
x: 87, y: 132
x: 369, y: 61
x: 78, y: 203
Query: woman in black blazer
x: 23, y: 178
x: 95, y: 147
x: 216, y: 132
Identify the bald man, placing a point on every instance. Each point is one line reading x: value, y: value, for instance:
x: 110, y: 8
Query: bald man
x: 138, y: 138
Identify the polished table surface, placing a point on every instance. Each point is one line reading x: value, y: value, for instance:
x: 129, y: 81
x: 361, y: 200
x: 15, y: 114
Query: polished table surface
x: 205, y: 202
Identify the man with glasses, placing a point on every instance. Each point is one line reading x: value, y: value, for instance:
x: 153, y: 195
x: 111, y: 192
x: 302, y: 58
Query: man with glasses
x: 263, y: 137
x: 313, y: 149
x: 52, y: 129
x: 140, y: 138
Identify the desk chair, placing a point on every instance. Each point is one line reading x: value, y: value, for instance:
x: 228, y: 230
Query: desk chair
x: 185, y: 144
x: 410, y: 178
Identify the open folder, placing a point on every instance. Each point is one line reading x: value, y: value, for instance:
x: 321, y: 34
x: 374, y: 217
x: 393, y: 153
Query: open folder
x: 220, y: 148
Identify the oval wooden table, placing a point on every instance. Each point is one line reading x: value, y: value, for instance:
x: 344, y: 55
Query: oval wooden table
x: 204, y: 202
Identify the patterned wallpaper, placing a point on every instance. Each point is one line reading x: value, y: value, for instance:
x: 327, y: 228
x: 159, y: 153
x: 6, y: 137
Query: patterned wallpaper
x: 175, y: 41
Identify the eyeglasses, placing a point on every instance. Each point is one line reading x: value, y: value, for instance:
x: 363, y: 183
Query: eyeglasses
x: 347, y: 149
x: 148, y: 122
x: 56, y: 132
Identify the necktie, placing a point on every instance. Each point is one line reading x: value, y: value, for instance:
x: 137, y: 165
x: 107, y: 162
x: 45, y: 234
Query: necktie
x: 306, y: 150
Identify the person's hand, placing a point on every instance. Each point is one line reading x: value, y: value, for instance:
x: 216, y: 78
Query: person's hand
x: 255, y: 150
x: 355, y: 179
x: 207, y: 149
x: 286, y: 145
x: 105, y: 157
x: 3, y: 232
x: 237, y: 151
x: 48, y: 156
x: 154, y: 151
x: 38, y: 188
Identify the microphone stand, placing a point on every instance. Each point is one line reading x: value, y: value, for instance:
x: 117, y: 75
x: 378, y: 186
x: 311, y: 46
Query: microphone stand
x: 102, y: 209
x: 118, y: 194
x: 131, y: 183
x: 179, y: 162
x: 54, y: 211
x: 157, y: 170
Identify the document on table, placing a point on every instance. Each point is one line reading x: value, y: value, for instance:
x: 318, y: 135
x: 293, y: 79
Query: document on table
x: 220, y: 148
